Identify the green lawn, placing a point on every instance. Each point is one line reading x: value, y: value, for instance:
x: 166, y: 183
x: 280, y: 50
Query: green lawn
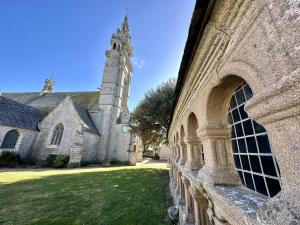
x: 100, y: 196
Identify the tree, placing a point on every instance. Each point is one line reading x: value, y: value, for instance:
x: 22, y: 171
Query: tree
x: 152, y: 115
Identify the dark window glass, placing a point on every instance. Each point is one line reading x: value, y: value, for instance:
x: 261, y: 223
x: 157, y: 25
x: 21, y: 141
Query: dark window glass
x: 240, y: 97
x: 241, y: 177
x: 263, y: 144
x: 268, y: 165
x: 234, y: 146
x: 57, y: 134
x: 232, y: 103
x: 248, y: 92
x: 258, y: 128
x: 273, y: 186
x: 249, y: 181
x: 252, y: 153
x: 230, y: 118
x: 233, y: 132
x: 235, y: 115
x: 255, y: 163
x: 243, y: 114
x: 251, y: 143
x: 260, y: 185
x: 245, y: 162
x: 10, y: 139
x: 239, y: 130
x: 242, y: 145
x: 248, y: 127
x: 237, y: 161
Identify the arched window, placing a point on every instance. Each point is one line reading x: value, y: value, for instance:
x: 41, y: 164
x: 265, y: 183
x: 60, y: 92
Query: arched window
x: 254, y: 161
x: 57, y: 134
x: 10, y: 139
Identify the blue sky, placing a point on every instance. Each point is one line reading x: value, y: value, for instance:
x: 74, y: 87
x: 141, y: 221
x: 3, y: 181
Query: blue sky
x: 68, y: 38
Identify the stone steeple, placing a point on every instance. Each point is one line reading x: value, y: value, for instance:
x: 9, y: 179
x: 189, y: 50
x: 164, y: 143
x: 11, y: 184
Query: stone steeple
x: 116, y: 80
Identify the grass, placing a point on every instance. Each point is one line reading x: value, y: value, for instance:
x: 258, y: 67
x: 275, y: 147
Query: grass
x: 93, y: 196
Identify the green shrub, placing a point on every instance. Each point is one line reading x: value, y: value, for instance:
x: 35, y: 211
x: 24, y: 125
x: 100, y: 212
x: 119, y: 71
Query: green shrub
x: 50, y: 159
x: 9, y: 159
x: 58, y: 161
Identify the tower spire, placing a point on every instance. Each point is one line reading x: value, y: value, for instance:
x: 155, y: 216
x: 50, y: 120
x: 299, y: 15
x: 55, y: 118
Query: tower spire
x: 125, y: 25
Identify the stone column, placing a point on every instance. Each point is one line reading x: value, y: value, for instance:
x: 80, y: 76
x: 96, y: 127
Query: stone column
x: 174, y: 152
x: 194, y: 159
x: 182, y: 147
x: 177, y: 189
x: 178, y: 154
x: 188, y: 203
x: 200, y: 207
x: 218, y: 168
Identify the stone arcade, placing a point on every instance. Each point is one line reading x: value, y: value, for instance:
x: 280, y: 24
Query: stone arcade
x: 88, y: 126
x: 235, y: 130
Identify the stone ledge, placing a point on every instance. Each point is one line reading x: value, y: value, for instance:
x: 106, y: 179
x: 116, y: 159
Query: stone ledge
x: 234, y: 200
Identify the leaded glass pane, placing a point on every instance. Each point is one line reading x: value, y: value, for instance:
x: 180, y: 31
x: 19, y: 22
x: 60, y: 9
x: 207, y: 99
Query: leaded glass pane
x: 253, y: 158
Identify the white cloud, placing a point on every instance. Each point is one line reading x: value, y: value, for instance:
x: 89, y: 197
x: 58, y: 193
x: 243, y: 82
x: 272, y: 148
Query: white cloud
x: 137, y: 62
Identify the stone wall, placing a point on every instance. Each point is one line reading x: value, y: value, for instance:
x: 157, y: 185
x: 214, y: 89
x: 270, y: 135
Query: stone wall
x: 252, y: 42
x: 90, y: 144
x: 119, y: 144
x: 66, y: 115
x: 25, y: 141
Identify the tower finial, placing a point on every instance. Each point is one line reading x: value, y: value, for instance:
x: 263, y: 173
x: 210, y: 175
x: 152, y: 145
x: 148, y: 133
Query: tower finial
x: 48, y: 86
x: 125, y: 26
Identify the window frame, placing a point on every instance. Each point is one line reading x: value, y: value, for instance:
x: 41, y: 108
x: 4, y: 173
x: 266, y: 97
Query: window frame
x: 54, y: 137
x: 241, y: 170
x: 5, y: 136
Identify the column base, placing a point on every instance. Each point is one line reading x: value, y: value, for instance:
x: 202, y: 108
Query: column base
x: 218, y: 176
x: 192, y: 165
x: 182, y: 161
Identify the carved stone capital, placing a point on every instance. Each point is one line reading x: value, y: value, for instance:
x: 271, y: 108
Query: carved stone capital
x: 180, y: 143
x: 191, y: 140
x: 210, y: 132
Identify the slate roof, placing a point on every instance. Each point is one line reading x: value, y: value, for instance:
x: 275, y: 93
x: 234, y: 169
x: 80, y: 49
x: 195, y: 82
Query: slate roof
x: 85, y: 117
x: 16, y: 114
x: 49, y: 101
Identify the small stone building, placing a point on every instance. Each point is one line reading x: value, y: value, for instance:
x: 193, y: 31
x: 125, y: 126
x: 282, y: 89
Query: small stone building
x: 87, y: 126
x: 235, y: 130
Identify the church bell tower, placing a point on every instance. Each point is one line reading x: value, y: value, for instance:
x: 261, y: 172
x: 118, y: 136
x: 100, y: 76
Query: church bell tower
x: 115, y: 88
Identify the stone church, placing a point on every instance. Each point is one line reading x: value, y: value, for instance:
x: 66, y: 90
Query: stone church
x: 88, y: 126
x: 235, y: 130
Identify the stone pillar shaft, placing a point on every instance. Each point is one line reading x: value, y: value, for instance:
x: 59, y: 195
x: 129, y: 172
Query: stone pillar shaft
x: 183, y: 157
x: 194, y: 159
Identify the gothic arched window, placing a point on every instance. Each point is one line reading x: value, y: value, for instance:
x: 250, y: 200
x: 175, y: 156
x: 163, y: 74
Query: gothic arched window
x: 57, y: 134
x: 254, y: 161
x: 10, y: 139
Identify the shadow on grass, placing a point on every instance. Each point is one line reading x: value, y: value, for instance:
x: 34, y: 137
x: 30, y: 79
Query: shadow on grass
x: 108, y: 197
